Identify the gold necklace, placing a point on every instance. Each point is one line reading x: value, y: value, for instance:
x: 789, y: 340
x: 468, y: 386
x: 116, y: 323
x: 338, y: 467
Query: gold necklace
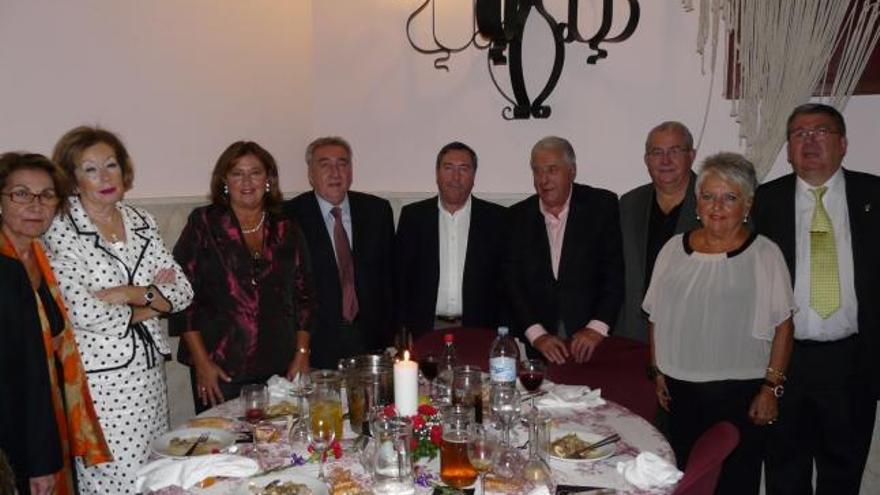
x: 256, y: 227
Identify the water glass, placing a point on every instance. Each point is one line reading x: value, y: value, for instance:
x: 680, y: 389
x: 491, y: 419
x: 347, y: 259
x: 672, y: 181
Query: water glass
x: 467, y: 389
x: 505, y: 405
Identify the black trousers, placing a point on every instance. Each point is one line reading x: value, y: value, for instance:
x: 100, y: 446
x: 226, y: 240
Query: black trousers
x: 696, y: 406
x: 826, y: 415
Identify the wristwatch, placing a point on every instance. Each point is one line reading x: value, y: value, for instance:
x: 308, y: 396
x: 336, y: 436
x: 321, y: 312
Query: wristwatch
x: 776, y: 388
x: 149, y: 296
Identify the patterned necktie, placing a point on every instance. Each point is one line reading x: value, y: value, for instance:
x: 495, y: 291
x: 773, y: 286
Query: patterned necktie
x: 346, y: 267
x: 824, y: 279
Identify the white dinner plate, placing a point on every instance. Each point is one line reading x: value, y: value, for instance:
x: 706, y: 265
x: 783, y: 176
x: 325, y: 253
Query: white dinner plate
x: 162, y: 445
x: 253, y: 486
x: 598, y: 454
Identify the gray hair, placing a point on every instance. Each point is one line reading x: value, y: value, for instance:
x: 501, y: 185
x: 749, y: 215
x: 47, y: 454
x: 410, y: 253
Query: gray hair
x: 556, y: 143
x: 671, y: 125
x: 327, y: 141
x: 730, y: 167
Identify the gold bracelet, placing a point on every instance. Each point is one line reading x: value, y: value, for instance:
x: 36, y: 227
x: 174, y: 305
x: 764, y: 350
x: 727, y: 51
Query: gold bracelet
x: 777, y: 374
x: 303, y: 350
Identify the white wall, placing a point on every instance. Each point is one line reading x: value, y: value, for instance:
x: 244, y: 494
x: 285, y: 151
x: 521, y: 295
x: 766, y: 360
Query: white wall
x: 178, y: 80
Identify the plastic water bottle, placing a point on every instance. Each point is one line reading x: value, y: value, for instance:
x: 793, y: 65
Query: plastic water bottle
x: 503, y: 356
x: 443, y: 390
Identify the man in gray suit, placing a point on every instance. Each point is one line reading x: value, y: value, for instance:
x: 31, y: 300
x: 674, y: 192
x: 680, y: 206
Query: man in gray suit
x: 651, y: 214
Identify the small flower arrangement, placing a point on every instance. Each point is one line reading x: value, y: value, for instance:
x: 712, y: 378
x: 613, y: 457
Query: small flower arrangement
x: 426, y: 430
x: 335, y: 450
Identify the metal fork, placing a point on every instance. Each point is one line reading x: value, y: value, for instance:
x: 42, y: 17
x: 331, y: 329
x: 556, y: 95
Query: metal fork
x: 192, y: 448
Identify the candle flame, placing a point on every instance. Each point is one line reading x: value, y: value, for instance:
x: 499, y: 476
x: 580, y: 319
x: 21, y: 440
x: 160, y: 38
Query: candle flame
x: 406, y: 355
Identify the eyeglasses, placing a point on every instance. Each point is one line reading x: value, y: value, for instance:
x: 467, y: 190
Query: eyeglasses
x: 673, y: 152
x: 24, y: 197
x: 820, y: 133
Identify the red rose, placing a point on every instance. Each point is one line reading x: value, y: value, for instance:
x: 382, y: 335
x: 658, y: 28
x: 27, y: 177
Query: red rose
x: 418, y: 423
x: 390, y: 411
x: 413, y: 443
x: 427, y: 410
x: 337, y: 450
x: 436, y: 434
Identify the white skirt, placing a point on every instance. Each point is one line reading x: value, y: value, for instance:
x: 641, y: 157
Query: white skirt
x: 132, y: 407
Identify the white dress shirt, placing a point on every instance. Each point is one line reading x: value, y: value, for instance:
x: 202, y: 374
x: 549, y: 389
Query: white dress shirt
x: 330, y: 220
x: 453, y: 236
x: 843, y: 322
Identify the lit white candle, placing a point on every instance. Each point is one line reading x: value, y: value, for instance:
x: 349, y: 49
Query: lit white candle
x: 406, y: 386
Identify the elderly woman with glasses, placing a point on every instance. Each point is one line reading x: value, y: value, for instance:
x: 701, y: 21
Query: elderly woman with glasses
x: 46, y: 411
x: 719, y: 305
x: 118, y: 279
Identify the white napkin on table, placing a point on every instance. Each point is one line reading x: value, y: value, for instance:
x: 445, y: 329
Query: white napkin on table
x: 185, y: 473
x: 648, y: 470
x: 571, y: 395
x: 279, y: 388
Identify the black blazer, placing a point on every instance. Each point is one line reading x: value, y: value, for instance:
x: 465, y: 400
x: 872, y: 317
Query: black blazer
x: 590, y: 284
x: 417, y: 265
x: 372, y: 245
x: 774, y: 217
x: 28, y: 431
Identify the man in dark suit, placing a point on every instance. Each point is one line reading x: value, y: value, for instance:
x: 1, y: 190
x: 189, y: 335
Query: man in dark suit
x: 564, y: 265
x: 350, y: 236
x: 651, y: 214
x: 824, y: 221
x: 449, y: 251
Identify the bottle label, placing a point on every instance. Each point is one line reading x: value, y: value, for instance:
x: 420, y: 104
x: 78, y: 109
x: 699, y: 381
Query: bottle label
x: 502, y: 369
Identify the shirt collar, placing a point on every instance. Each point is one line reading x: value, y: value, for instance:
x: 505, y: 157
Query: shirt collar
x: 563, y: 214
x: 464, y: 210
x: 326, y: 206
x: 835, y: 184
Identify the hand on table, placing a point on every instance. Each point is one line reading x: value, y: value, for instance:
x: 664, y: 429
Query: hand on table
x: 764, y: 408
x: 583, y: 343
x: 552, y: 347
x: 207, y: 376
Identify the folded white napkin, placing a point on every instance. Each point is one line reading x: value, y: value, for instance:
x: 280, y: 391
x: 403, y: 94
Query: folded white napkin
x: 571, y: 396
x: 185, y: 473
x: 540, y: 490
x: 279, y: 388
x: 648, y: 471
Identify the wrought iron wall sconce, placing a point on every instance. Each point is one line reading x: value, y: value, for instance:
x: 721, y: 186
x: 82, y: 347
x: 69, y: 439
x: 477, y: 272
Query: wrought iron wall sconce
x: 499, y: 25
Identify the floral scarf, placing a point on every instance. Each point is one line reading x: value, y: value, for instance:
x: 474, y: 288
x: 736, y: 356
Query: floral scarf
x: 75, y: 414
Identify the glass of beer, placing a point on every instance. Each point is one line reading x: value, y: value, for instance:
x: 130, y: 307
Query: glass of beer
x: 456, y: 469
x: 326, y: 403
x: 467, y: 389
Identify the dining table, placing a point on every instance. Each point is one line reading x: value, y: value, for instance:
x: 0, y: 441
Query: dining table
x: 606, y: 418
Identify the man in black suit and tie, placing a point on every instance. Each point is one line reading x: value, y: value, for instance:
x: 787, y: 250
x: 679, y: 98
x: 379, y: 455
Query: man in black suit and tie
x: 564, y: 266
x: 449, y: 252
x: 824, y: 221
x: 350, y: 236
x: 651, y: 214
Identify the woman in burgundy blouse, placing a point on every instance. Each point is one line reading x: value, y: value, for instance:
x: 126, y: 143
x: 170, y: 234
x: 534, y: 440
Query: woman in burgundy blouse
x: 254, y: 300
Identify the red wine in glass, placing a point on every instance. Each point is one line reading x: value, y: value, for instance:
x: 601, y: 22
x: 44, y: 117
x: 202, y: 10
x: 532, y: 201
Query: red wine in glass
x: 254, y: 415
x: 531, y: 380
x: 429, y: 368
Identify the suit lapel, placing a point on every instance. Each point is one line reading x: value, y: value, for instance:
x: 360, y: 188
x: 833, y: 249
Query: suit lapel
x: 784, y: 207
x: 858, y: 205
x: 687, y: 214
x: 316, y: 224
x: 139, y: 240
x: 572, y: 238
x: 86, y: 229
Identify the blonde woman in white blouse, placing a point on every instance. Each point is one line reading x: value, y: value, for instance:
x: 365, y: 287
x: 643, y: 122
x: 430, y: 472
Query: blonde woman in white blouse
x: 117, y: 278
x: 719, y: 305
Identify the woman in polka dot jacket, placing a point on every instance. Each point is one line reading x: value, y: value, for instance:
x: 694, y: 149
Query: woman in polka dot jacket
x: 117, y: 278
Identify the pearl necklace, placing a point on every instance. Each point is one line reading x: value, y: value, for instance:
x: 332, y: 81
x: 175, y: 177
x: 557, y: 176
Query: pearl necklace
x: 256, y: 227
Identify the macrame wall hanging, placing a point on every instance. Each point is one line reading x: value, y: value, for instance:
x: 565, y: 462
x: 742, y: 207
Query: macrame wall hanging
x: 780, y: 52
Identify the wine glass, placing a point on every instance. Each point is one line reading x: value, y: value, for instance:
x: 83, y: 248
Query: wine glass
x: 505, y: 404
x: 531, y: 375
x: 302, y: 388
x: 254, y: 399
x: 323, y: 432
x: 482, y: 450
x: 429, y: 366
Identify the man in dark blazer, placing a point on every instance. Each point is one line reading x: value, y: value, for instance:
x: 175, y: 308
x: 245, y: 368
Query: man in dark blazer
x: 651, y: 214
x: 828, y: 409
x: 350, y: 237
x: 564, y: 266
x: 449, y: 252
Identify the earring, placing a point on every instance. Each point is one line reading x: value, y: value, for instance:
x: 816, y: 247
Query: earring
x: 698, y: 217
x: 746, y: 219
x: 267, y: 186
x: 226, y: 189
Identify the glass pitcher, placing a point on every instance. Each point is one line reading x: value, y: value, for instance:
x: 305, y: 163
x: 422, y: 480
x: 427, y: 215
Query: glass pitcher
x: 388, y: 457
x: 326, y: 402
